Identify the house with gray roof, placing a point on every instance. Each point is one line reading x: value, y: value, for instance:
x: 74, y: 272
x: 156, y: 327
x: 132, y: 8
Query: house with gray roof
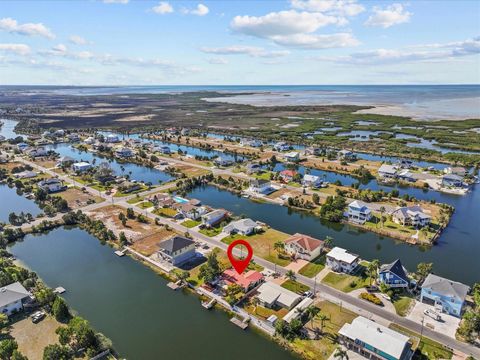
x: 411, y: 216
x: 446, y: 295
x: 387, y: 171
x: 394, y: 275
x: 12, y: 298
x: 242, y: 226
x: 177, y: 250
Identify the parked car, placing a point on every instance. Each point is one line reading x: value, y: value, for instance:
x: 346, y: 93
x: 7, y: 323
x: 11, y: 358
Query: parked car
x: 371, y: 289
x: 37, y: 316
x: 308, y: 294
x: 434, y: 315
x: 385, y: 296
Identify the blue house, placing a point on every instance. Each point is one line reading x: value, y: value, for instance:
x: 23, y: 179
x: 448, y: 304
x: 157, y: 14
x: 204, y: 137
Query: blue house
x: 394, y: 275
x: 452, y: 180
x: 446, y: 295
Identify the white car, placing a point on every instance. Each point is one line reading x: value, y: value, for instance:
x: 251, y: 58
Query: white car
x: 434, y: 315
x: 385, y: 296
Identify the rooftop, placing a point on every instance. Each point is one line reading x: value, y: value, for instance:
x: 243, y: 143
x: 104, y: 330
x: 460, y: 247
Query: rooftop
x: 446, y: 287
x: 342, y: 255
x: 174, y: 244
x: 307, y: 242
x: 12, y: 293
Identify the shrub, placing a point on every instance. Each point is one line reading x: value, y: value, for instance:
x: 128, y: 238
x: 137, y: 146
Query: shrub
x: 372, y: 298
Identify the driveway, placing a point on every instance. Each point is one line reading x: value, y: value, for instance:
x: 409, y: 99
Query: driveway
x: 387, y: 305
x: 448, y: 325
x: 296, y: 265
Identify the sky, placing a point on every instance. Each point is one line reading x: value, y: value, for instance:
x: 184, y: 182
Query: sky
x: 249, y: 42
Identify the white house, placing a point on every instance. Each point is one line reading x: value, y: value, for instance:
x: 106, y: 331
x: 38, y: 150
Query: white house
x: 51, y: 185
x: 303, y: 246
x: 346, y: 155
x: 411, y: 216
x: 292, y: 156
x: 358, y: 212
x: 12, y: 298
x: 312, y: 181
x: 89, y: 140
x: 316, y: 151
x: 26, y: 174
x: 111, y: 138
x: 73, y: 137
x: 260, y: 186
x: 81, y: 166
x: 190, y: 211
x: 251, y: 142
x: 271, y: 294
x: 177, y: 250
x: 281, y: 146
x: 340, y: 260
x: 223, y: 161
x: 214, y: 217
x: 124, y: 152
x: 164, y: 149
x: 37, y: 152
x: 242, y: 226
x: 456, y: 170
x: 65, y: 160
x: 387, y: 171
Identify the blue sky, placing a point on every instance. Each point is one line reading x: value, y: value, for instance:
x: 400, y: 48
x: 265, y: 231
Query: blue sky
x: 131, y: 42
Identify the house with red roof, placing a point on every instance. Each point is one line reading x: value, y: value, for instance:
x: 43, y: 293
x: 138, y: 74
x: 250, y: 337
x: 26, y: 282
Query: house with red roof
x: 303, y: 246
x: 287, y: 175
x: 247, y: 281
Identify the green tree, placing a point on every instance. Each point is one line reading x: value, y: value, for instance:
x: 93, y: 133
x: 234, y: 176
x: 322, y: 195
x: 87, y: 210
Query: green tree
x: 340, y: 354
x: 78, y: 334
x: 57, y: 352
x: 423, y: 269
x: 372, y: 269
x: 130, y: 213
x: 279, y: 247
x: 291, y: 275
x: 211, y: 269
x: 60, y: 309
x: 328, y: 242
x: 7, y: 347
x: 122, y: 218
x: 311, y: 312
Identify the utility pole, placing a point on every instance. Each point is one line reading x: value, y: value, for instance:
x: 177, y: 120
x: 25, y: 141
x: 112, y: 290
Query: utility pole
x: 421, y: 331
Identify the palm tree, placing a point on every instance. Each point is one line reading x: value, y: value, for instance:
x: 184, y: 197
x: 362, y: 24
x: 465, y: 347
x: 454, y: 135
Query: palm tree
x: 322, y: 318
x: 291, y: 275
x: 279, y: 246
x: 340, y: 354
x: 328, y: 242
x: 312, y: 312
x: 382, y: 211
x: 372, y: 268
x: 255, y: 302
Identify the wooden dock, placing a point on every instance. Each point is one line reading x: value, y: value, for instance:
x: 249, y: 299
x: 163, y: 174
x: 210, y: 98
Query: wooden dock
x: 209, y: 304
x: 173, y: 286
x: 120, y: 253
x: 241, y: 324
x: 59, y: 290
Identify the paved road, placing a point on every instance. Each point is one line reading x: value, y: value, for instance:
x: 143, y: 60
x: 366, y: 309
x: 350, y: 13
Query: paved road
x: 321, y: 289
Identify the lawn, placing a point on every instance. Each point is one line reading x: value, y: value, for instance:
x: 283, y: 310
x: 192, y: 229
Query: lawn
x: 166, y: 212
x: 211, y: 232
x: 347, y: 283
x: 222, y: 259
x: 191, y: 223
x: 145, y: 205
x: 295, y: 286
x: 402, y: 305
x: 264, y: 175
x: 264, y: 313
x: 425, y: 348
x: 262, y: 244
x: 323, y: 347
x: 135, y: 200
x: 313, y: 268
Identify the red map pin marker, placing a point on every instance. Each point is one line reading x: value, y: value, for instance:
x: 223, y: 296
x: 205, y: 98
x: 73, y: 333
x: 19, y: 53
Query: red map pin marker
x: 240, y: 264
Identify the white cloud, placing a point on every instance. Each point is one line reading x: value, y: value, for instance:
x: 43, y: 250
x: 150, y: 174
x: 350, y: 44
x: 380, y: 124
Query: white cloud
x: 17, y: 49
x: 116, y: 1
x: 29, y: 29
x: 163, y: 7
x: 312, y: 41
x: 245, y: 50
x: 432, y: 52
x: 200, y: 10
x: 392, y: 15
x: 335, y: 7
x: 218, y: 61
x: 77, y: 40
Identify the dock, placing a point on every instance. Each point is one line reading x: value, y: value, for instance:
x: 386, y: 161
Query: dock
x: 241, y: 324
x: 209, y: 304
x: 174, y: 286
x: 120, y: 253
x: 59, y: 290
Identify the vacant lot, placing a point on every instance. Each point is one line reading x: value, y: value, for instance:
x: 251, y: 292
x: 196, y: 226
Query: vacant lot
x: 33, y: 338
x: 347, y: 283
x: 76, y: 198
x: 147, y: 245
x: 191, y: 171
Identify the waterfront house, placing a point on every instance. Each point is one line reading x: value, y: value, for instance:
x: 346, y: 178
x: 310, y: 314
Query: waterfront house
x: 340, y: 260
x: 406, y: 175
x: 242, y: 226
x: 456, y: 170
x: 37, y: 152
x: 185, y: 132
x: 281, y: 146
x: 298, y: 310
x: 287, y: 175
x: 292, y: 156
x: 316, y: 151
x: 272, y: 295
x: 452, y: 180
x: 246, y: 281
x: 303, y: 246
x: 127, y: 187
x: 12, y: 298
x: 177, y: 250
x: 375, y: 341
x: 346, y: 155
x: 223, y: 161
x: 124, y: 152
x: 312, y: 181
x: 260, y: 186
x: 111, y: 138
x: 81, y: 166
x: 89, y: 140
x: 65, y: 161
x: 59, y: 133
x: 3, y: 159
x: 358, y: 212
x: 446, y: 295
x: 253, y: 168
x: 52, y: 185
x: 411, y: 216
x: 190, y: 211
x: 394, y: 275
x: 405, y: 163
x: 164, y: 149
x: 73, y: 137
x: 387, y: 171
x: 251, y: 142
x: 27, y: 174
x: 214, y: 217
x: 22, y: 146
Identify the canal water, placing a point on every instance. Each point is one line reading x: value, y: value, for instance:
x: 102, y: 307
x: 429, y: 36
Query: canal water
x: 455, y: 256
x: 136, y: 172
x: 7, y: 129
x: 12, y: 202
x: 132, y: 305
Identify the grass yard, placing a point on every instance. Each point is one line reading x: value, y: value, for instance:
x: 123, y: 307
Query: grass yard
x: 295, y: 286
x: 402, y: 305
x: 135, y: 200
x: 166, y: 212
x: 263, y: 175
x: 145, y: 205
x: 263, y: 312
x: 262, y: 244
x: 313, y: 268
x: 347, y: 283
x: 426, y: 348
x: 191, y: 223
x: 211, y: 232
x: 322, y: 348
x: 222, y: 259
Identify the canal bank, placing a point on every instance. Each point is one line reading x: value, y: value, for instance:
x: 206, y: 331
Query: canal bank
x: 133, y: 306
